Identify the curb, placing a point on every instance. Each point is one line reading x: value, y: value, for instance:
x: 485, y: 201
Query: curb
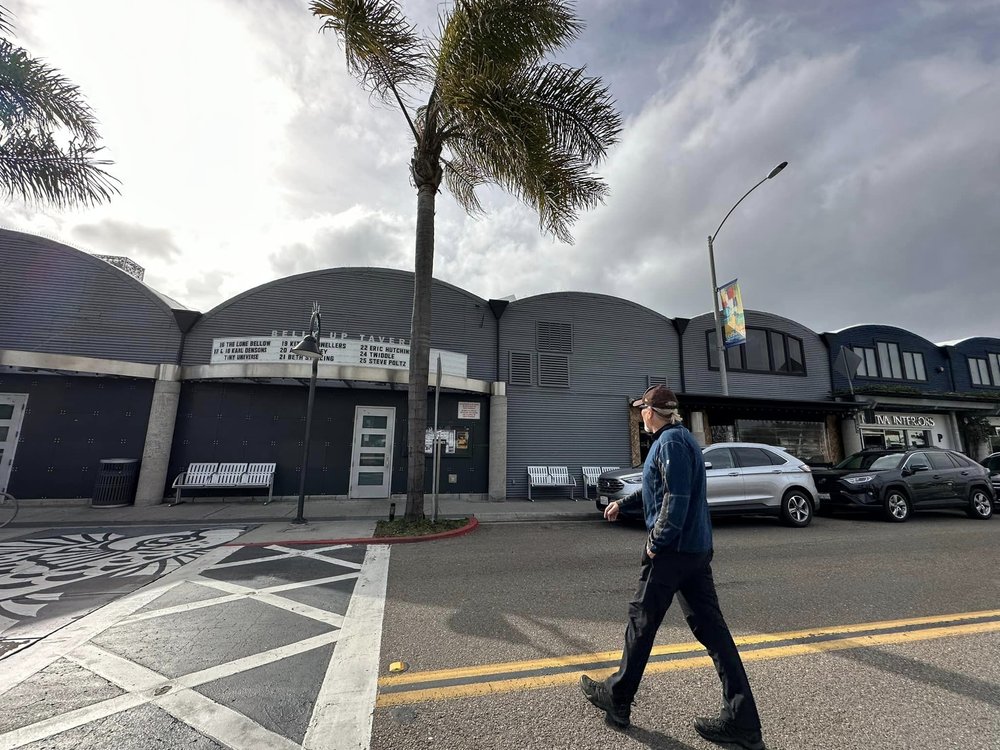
x: 471, y: 526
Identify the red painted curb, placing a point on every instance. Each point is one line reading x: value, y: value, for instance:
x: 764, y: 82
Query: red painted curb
x: 469, y: 527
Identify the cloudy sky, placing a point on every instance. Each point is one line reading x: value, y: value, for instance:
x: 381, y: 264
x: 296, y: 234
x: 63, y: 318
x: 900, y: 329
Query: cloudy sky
x: 246, y: 152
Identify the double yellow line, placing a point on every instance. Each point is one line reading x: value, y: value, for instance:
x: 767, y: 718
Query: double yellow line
x: 465, y: 682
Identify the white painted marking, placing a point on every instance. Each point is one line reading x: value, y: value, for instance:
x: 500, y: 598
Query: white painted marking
x: 22, y: 665
x: 231, y: 729
x: 287, y: 553
x: 342, y: 719
x: 43, y: 729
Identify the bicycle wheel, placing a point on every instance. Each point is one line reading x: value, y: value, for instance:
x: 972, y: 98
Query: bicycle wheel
x: 8, y: 508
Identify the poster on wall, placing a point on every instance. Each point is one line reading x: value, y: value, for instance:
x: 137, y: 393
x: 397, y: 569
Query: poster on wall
x: 468, y: 410
x: 733, y: 321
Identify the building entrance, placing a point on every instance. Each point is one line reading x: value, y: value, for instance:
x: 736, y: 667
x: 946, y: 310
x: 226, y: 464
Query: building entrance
x: 371, y: 453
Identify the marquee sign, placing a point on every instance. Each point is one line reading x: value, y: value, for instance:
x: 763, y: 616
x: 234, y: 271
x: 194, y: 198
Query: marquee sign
x: 338, y: 349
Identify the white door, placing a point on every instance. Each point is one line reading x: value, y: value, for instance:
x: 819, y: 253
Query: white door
x: 11, y: 414
x: 724, y: 481
x: 371, y: 455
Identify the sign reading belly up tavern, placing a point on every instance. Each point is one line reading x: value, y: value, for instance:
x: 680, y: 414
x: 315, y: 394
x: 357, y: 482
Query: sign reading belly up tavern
x: 338, y: 349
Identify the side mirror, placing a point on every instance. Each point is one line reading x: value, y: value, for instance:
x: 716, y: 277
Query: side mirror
x: 919, y: 467
x: 708, y: 464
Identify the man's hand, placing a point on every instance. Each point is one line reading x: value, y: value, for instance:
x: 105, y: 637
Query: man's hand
x: 611, y: 512
x: 649, y: 553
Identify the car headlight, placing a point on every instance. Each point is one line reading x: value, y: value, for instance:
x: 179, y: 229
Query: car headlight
x: 637, y: 479
x: 859, y: 480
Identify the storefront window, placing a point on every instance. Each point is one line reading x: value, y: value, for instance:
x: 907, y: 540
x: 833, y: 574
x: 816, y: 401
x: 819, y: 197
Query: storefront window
x: 804, y: 440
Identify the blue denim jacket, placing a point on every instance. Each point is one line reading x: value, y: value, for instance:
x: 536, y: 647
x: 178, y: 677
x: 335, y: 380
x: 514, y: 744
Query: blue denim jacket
x: 674, y: 494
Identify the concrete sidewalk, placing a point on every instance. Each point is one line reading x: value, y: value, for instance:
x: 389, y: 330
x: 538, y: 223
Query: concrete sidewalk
x: 325, y: 515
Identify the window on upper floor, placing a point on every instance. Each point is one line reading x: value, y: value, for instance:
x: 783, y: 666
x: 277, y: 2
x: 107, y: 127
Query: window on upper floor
x: 985, y: 372
x: 888, y: 362
x: 765, y: 350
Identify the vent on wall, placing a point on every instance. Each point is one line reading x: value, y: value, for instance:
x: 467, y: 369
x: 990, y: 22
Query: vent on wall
x: 520, y: 368
x: 553, y: 371
x: 553, y: 337
x: 652, y: 380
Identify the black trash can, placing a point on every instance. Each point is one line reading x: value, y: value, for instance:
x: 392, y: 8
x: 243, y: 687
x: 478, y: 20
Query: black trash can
x: 116, y: 483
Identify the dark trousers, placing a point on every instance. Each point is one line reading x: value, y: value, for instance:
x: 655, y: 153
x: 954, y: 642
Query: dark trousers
x: 690, y: 577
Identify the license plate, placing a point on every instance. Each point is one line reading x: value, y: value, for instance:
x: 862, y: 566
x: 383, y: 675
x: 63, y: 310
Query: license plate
x: 824, y: 495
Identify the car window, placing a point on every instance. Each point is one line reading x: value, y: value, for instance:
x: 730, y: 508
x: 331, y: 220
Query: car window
x: 852, y: 462
x: 962, y: 460
x: 992, y: 463
x: 750, y: 457
x: 773, y: 457
x: 941, y: 461
x: 886, y: 461
x: 916, y: 459
x: 720, y: 458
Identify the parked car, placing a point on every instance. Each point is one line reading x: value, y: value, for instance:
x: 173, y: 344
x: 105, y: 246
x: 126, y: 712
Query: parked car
x: 897, y: 482
x: 992, y: 464
x: 743, y: 479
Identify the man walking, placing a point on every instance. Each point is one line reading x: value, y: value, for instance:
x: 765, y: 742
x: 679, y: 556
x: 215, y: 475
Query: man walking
x: 676, y: 560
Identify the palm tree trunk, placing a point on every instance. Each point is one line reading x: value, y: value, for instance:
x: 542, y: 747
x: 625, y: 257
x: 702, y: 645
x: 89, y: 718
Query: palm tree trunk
x: 420, y: 334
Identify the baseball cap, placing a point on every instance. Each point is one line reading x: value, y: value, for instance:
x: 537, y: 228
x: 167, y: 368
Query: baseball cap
x: 658, y: 396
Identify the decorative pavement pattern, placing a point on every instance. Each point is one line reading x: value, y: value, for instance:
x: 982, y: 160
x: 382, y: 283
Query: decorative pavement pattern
x: 47, y: 582
x: 245, y: 647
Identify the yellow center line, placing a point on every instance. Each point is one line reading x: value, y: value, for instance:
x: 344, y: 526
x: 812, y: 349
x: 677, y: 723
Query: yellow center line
x: 674, y: 648
x: 488, y: 687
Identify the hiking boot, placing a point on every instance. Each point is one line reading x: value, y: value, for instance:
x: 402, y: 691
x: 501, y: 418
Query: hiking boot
x: 618, y: 714
x: 723, y: 732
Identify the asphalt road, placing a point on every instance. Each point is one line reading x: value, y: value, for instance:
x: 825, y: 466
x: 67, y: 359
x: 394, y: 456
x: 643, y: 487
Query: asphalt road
x: 882, y: 638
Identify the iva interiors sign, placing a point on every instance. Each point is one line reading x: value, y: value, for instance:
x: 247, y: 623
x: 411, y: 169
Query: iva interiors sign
x: 338, y: 349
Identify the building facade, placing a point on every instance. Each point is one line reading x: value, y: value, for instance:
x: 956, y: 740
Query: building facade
x: 96, y: 365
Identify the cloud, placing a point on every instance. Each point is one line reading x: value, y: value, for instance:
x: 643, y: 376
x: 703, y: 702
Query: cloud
x: 357, y: 237
x: 113, y: 237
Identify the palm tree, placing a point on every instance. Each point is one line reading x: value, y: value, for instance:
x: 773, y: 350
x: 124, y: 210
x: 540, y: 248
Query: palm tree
x: 48, y: 134
x: 494, y: 111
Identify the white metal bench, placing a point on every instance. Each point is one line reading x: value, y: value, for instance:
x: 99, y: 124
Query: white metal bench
x: 550, y: 476
x: 226, y: 476
x: 591, y: 474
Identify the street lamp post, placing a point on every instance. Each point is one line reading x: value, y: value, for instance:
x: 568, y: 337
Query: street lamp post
x: 309, y: 348
x: 715, y: 284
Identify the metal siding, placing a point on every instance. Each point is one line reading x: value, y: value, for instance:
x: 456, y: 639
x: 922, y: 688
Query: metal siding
x: 616, y: 346
x: 374, y: 301
x: 867, y: 336
x: 978, y: 347
x: 814, y: 385
x: 70, y: 424
x: 59, y: 300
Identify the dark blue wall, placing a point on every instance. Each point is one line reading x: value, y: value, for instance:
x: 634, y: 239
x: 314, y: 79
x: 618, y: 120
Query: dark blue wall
x: 70, y: 424
x: 935, y: 361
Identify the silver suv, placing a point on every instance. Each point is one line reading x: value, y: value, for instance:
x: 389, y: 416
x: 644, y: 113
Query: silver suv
x: 743, y: 479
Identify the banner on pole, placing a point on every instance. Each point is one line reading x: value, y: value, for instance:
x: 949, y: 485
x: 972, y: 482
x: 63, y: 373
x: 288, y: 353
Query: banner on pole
x: 734, y: 329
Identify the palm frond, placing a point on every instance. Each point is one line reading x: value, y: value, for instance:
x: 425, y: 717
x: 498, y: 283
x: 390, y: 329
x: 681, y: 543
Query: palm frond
x: 35, y: 168
x: 579, y: 113
x: 536, y: 132
x: 5, y: 24
x: 382, y: 48
x: 35, y: 95
x: 504, y: 32
x: 462, y: 178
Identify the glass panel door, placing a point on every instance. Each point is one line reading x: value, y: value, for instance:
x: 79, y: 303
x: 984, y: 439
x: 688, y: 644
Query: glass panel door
x: 371, y: 455
x: 11, y: 413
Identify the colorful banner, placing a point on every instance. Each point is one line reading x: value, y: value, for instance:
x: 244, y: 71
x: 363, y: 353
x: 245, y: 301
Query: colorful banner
x: 734, y: 329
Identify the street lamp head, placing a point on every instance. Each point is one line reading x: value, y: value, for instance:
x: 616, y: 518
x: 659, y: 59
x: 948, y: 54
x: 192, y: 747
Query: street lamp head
x: 308, y: 347
x: 777, y: 169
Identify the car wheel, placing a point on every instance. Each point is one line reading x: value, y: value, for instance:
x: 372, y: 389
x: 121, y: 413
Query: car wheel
x: 980, y: 504
x: 896, y: 506
x: 796, y: 508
